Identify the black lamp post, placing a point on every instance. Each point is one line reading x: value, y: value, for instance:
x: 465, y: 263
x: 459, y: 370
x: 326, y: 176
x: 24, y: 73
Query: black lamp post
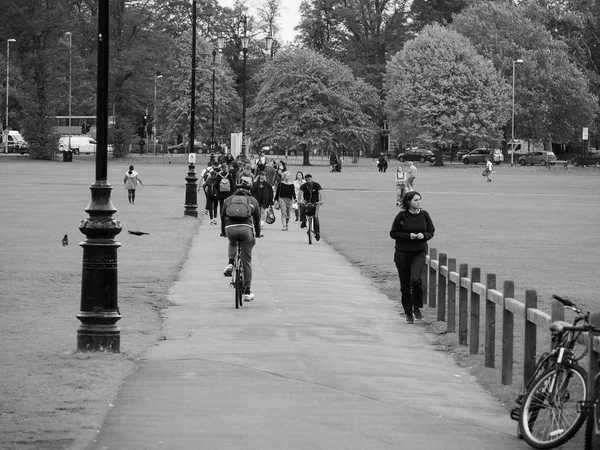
x: 220, y: 45
x: 245, y: 42
x: 99, y: 311
x: 191, y: 180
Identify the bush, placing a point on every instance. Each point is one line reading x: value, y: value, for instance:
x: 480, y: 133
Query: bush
x: 39, y: 133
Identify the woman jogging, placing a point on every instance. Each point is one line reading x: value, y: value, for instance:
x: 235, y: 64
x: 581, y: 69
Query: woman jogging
x: 411, y: 230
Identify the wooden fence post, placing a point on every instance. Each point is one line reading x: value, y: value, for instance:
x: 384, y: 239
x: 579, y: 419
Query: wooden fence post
x: 475, y: 313
x: 463, y: 306
x: 490, y: 323
x: 432, y: 278
x: 441, y: 309
x: 451, y: 328
x: 508, y: 330
x: 530, y: 348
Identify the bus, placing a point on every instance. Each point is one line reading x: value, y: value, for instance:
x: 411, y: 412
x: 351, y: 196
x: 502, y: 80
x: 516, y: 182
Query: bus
x: 80, y: 125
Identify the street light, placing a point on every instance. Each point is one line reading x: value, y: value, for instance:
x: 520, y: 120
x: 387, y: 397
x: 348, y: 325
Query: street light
x: 68, y: 33
x: 156, y: 77
x: 8, y: 41
x: 269, y: 43
x: 512, y: 153
x: 220, y: 45
x: 191, y: 181
x: 245, y: 42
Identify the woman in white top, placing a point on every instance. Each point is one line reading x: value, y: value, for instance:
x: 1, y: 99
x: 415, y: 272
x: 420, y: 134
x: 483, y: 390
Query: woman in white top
x: 299, y: 181
x: 400, y: 185
x: 488, y: 169
x: 130, y: 181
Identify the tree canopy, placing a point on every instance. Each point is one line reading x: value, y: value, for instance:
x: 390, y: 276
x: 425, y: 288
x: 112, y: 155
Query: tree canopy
x: 308, y: 101
x: 441, y: 92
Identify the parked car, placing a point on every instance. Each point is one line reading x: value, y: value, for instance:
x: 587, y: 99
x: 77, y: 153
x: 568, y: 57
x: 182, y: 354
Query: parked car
x: 590, y: 159
x: 479, y: 155
x: 184, y: 147
x: 540, y: 157
x: 417, y: 154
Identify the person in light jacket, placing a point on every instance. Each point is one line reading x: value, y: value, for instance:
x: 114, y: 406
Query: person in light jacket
x: 132, y: 178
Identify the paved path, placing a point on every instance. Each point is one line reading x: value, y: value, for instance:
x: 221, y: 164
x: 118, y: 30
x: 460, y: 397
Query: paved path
x: 320, y: 360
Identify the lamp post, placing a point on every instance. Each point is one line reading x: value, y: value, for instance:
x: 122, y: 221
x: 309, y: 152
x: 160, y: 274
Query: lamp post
x: 99, y: 310
x: 191, y: 191
x: 220, y: 46
x: 245, y: 42
x: 68, y: 33
x: 8, y: 41
x: 269, y: 43
x: 512, y: 153
x: 156, y: 77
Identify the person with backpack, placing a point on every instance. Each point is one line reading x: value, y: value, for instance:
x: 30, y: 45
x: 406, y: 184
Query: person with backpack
x: 211, y: 190
x: 240, y: 224
x: 226, y: 184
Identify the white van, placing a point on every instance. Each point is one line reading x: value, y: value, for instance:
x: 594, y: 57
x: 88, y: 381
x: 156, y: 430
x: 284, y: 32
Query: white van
x: 523, y: 147
x: 16, y: 143
x: 84, y: 145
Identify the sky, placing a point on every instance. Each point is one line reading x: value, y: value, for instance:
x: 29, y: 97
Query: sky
x: 290, y: 16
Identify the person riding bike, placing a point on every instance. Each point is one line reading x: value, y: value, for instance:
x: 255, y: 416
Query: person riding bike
x: 311, y: 192
x: 240, y: 223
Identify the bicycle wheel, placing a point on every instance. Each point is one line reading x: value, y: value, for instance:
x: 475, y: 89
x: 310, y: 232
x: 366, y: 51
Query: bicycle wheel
x: 309, y: 232
x: 550, y: 415
x: 238, y: 282
x: 591, y: 424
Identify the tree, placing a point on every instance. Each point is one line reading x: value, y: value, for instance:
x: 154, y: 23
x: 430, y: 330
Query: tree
x: 441, y: 92
x: 307, y: 100
x: 360, y: 33
x: 552, y: 95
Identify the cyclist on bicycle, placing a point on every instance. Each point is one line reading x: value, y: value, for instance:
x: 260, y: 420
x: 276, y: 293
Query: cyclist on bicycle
x: 311, y: 192
x: 240, y: 223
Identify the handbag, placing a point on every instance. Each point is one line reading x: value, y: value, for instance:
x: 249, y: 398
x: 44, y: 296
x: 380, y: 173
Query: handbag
x: 295, y: 205
x: 270, y: 219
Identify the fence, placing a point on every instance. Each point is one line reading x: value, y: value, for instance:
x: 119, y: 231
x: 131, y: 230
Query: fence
x: 441, y: 282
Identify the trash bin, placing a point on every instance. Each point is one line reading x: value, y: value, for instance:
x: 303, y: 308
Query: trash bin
x: 67, y: 156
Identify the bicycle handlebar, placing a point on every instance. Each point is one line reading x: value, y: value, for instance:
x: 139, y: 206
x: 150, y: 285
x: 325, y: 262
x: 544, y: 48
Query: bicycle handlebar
x: 565, y: 301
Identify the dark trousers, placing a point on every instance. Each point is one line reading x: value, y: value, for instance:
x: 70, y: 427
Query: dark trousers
x: 244, y: 235
x: 212, y: 204
x: 410, y: 267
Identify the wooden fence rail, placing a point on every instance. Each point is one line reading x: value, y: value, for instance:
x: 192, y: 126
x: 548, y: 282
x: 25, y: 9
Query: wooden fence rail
x: 441, y: 282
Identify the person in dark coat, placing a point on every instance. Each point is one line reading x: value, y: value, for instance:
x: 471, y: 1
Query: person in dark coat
x: 262, y: 191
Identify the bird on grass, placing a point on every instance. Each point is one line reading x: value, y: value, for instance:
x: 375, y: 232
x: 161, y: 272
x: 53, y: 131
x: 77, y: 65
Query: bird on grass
x: 65, y: 241
x: 137, y: 233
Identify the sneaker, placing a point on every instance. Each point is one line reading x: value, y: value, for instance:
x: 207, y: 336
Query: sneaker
x: 417, y: 313
x: 302, y: 224
x: 248, y: 296
x: 410, y: 318
x: 206, y: 212
x: 228, y: 270
x: 317, y: 236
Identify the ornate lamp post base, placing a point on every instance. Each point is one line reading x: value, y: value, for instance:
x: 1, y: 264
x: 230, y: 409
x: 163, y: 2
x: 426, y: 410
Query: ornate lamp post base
x: 191, y: 192
x: 99, y: 294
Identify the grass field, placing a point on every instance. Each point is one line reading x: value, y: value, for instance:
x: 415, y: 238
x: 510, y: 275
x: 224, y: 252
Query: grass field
x: 536, y: 227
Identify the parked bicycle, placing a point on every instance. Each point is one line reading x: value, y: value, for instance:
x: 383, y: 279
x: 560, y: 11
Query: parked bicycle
x: 590, y: 407
x: 548, y: 408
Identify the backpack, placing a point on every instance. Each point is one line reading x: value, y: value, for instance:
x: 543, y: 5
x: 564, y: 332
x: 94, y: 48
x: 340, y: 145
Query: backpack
x: 224, y: 184
x: 210, y: 188
x: 239, y: 208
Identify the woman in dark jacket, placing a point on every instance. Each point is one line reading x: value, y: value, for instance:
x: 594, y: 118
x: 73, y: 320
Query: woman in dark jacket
x: 262, y: 191
x: 412, y: 228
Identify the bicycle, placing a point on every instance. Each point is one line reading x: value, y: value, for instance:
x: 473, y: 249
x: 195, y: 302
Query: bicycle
x: 310, y: 211
x: 590, y: 407
x: 237, y: 277
x: 548, y: 409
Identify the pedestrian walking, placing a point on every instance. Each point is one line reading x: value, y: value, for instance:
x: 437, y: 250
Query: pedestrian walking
x: 299, y: 181
x: 286, y: 196
x: 226, y: 185
x: 211, y: 190
x: 487, y: 172
x: 411, y: 229
x: 411, y: 175
x: 132, y: 178
x: 400, y: 185
x: 263, y: 193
